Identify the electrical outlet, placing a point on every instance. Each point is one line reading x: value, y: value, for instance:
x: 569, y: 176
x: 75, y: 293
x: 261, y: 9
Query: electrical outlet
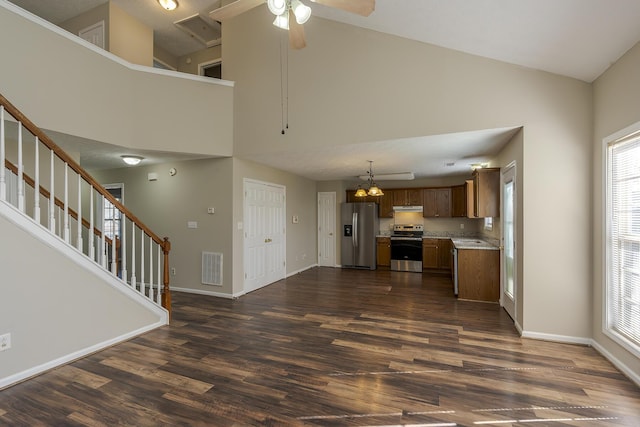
x: 461, y: 226
x: 5, y: 342
x: 173, y: 271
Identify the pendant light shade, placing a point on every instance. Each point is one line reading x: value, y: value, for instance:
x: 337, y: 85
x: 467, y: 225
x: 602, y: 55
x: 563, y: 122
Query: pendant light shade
x: 375, y: 191
x: 361, y: 192
x: 282, y: 21
x: 277, y: 7
x: 301, y: 11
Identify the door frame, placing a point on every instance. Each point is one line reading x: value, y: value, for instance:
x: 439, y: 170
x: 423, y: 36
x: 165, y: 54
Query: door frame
x: 331, y: 212
x: 246, y: 258
x: 510, y: 305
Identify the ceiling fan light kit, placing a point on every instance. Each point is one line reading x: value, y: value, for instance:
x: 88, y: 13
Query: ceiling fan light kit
x: 282, y: 21
x: 277, y: 7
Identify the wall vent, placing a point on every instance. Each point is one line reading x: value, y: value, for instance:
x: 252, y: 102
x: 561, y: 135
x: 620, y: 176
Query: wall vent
x: 211, y: 268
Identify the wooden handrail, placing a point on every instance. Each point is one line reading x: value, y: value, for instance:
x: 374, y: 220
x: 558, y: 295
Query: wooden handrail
x: 42, y: 137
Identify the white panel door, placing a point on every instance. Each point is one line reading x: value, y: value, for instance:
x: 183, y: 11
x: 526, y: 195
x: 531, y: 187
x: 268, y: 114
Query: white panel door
x: 94, y: 34
x: 508, y: 297
x: 327, y: 229
x: 264, y: 234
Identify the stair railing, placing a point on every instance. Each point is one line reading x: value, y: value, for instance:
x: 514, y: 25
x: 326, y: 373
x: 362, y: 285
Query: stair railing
x: 122, y: 245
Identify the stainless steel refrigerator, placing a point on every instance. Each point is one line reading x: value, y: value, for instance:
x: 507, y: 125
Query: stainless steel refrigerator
x: 359, y: 229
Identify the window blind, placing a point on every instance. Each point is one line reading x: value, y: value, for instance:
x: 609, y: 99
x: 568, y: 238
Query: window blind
x: 623, y: 232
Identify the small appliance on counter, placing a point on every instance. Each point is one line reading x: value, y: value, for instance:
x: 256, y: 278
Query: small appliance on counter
x: 406, y: 247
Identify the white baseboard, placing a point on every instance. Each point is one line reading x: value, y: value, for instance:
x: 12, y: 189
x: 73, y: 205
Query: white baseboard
x: 203, y: 292
x: 555, y: 338
x: 301, y: 270
x: 633, y: 376
x: 36, y: 370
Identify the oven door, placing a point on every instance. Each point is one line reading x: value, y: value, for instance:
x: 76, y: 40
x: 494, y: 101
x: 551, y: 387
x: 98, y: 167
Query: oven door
x: 406, y: 254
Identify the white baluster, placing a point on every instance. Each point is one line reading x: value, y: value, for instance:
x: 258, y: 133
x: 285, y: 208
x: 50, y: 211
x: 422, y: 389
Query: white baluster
x: 92, y: 246
x: 142, y: 261
x: 3, y: 171
x: 133, y: 255
x: 79, y: 241
x: 123, y: 245
x: 150, y: 268
x: 114, y: 249
x: 20, y: 170
x: 66, y: 202
x: 36, y: 189
x: 103, y: 245
x: 159, y: 274
x: 52, y: 198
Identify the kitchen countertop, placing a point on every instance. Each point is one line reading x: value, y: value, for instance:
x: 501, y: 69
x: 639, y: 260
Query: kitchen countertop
x: 472, y: 243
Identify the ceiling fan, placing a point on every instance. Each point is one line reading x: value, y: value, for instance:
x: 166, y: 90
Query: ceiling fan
x: 291, y: 14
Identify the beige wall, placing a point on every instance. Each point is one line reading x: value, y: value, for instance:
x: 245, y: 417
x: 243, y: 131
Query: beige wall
x: 129, y: 38
x: 166, y: 205
x: 84, y: 312
x: 189, y: 63
x: 353, y: 85
x: 616, y: 106
x: 99, y: 97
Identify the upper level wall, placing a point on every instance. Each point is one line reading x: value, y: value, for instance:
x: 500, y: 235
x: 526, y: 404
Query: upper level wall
x: 67, y: 85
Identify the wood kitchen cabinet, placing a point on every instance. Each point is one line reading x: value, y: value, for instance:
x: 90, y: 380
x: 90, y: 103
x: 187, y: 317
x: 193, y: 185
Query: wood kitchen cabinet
x: 407, y: 197
x: 429, y: 253
x: 385, y: 209
x: 479, y: 274
x: 483, y: 197
x: 383, y: 255
x: 436, y: 254
x: 436, y: 202
x: 459, y: 201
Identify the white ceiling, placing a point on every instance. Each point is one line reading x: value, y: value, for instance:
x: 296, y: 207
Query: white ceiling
x: 575, y: 38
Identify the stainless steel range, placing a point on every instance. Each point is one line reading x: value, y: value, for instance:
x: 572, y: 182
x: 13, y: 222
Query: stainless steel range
x: 406, y: 247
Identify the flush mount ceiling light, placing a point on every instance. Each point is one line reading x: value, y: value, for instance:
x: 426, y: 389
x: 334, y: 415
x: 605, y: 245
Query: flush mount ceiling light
x: 475, y: 166
x: 168, y: 4
x: 131, y: 160
x: 373, y: 190
x: 402, y: 176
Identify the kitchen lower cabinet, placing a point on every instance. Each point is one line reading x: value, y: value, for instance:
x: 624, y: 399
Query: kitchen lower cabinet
x: 383, y: 255
x: 479, y: 274
x: 436, y: 254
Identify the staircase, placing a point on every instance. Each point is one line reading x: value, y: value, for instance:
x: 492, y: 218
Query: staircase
x: 43, y: 182
x: 78, y: 271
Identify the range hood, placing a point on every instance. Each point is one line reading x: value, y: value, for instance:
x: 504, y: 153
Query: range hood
x: 407, y: 208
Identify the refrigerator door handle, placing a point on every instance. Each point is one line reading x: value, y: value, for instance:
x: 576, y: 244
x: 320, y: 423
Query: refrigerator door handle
x: 355, y: 229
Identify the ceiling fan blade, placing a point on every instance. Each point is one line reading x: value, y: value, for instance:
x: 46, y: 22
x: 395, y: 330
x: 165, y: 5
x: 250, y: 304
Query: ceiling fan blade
x: 296, y: 33
x: 234, y: 9
x: 359, y: 7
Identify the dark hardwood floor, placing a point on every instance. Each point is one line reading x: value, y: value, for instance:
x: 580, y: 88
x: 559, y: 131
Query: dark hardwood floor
x: 332, y: 347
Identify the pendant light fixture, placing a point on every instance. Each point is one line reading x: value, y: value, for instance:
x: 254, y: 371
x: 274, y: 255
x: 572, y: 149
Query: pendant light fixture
x: 373, y: 190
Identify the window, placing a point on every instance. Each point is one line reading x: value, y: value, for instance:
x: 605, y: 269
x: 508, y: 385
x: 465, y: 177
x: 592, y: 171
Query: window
x: 622, y: 291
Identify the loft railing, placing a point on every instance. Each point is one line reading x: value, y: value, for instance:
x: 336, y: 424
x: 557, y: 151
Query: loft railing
x: 139, y: 258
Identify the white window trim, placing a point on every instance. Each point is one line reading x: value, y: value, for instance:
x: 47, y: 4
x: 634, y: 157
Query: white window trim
x: 616, y: 337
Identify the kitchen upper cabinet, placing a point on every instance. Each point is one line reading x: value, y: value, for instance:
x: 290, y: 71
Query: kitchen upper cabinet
x: 436, y: 203
x: 484, y: 193
x: 383, y: 254
x: 385, y: 209
x: 407, y: 197
x: 459, y: 201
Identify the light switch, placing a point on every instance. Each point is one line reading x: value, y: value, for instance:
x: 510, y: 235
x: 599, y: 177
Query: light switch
x: 211, y: 210
x: 192, y: 224
x: 295, y: 219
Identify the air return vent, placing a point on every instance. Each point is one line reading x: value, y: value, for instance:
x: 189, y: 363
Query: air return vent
x: 211, y: 268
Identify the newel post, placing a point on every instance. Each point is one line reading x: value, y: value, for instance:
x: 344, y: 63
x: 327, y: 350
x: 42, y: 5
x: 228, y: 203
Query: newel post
x: 166, y: 293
